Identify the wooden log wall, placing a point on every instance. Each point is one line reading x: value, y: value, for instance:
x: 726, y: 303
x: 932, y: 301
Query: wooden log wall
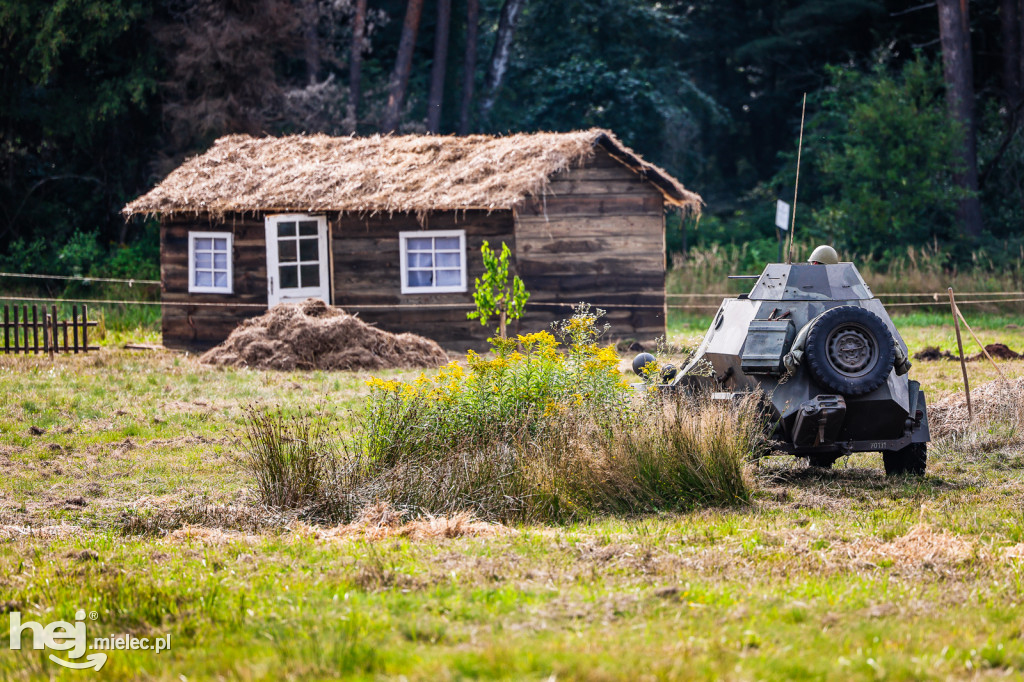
x: 198, y: 327
x: 367, y: 272
x: 597, y: 236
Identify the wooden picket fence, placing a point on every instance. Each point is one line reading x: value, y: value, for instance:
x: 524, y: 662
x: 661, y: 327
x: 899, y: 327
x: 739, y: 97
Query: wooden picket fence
x: 44, y: 333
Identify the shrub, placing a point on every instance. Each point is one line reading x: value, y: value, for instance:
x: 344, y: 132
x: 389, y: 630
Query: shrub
x: 541, y: 431
x: 507, y: 398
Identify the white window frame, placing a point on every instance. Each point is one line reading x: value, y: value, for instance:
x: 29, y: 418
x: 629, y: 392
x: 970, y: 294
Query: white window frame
x: 404, y: 237
x: 194, y: 288
x: 275, y: 294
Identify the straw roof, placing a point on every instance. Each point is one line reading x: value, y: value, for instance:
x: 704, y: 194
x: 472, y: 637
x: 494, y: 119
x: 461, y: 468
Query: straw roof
x: 386, y: 174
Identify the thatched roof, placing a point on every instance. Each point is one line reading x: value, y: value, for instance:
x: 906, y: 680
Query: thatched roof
x: 385, y: 174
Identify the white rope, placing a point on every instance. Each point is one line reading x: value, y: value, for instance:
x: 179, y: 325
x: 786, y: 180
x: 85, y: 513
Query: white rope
x: 79, y: 278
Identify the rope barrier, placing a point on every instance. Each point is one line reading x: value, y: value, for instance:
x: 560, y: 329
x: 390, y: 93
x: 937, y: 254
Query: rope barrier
x: 153, y: 282
x: 79, y: 278
x: 440, y: 306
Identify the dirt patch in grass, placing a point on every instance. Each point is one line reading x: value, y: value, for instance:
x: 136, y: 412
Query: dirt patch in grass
x: 998, y: 351
x: 10, y: 532
x: 313, y: 335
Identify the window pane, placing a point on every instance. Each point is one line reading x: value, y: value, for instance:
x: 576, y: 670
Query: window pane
x: 421, y: 260
x: 286, y: 229
x: 309, y: 250
x: 419, y: 244
x: 289, y: 276
x: 310, y: 275
x: 449, y: 260
x: 203, y: 244
x: 220, y: 280
x: 449, y: 278
x: 308, y: 227
x: 204, y: 260
x: 204, y: 279
x: 220, y: 245
x: 448, y: 243
x: 286, y: 251
x: 220, y: 261
x: 420, y: 278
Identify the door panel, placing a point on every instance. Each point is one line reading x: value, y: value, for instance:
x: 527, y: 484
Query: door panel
x: 297, y: 261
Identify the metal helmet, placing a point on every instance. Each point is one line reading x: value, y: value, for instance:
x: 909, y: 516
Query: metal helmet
x: 825, y: 255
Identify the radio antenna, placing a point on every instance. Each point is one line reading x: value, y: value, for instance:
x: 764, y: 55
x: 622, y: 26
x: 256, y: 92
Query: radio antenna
x: 796, y: 186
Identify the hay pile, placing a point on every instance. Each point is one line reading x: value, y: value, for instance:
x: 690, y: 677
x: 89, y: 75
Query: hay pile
x: 996, y: 401
x: 313, y: 335
x: 382, y: 521
x: 922, y: 547
x: 386, y: 174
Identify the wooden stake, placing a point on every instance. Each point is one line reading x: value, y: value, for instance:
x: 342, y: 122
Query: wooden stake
x: 796, y: 185
x: 978, y: 341
x: 47, y: 343
x: 960, y: 346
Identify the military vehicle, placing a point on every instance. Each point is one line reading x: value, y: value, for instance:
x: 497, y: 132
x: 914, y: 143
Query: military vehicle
x: 830, y: 362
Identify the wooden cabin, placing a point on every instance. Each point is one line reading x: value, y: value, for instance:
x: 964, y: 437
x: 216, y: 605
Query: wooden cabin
x: 391, y: 227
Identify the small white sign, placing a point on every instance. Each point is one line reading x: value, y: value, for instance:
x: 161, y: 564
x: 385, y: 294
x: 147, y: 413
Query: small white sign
x: 782, y: 215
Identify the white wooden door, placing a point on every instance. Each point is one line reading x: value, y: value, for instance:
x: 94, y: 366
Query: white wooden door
x: 297, y: 263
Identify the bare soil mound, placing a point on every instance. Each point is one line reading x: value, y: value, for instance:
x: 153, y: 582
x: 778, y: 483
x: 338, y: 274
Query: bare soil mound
x: 999, y: 351
x: 313, y: 335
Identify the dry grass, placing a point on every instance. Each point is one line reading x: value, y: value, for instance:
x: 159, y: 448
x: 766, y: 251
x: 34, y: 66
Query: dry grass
x: 997, y: 405
x: 385, y: 174
x: 314, y: 335
x: 382, y: 521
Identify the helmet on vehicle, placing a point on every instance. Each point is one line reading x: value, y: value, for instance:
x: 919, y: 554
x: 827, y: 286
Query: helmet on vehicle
x: 824, y: 255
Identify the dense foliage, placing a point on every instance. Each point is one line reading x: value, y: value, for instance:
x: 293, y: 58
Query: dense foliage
x: 101, y: 98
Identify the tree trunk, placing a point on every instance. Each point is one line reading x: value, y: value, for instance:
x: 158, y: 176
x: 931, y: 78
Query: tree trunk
x: 469, y: 65
x: 502, y: 52
x: 311, y: 40
x: 403, y: 66
x: 1010, y: 21
x: 954, y: 31
x: 439, y: 67
x: 355, y: 66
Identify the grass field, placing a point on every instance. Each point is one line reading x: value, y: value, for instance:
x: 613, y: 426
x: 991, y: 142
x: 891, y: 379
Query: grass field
x: 122, y: 495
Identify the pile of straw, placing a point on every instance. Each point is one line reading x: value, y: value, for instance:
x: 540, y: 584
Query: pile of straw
x: 1000, y: 401
x: 386, y: 174
x: 313, y: 335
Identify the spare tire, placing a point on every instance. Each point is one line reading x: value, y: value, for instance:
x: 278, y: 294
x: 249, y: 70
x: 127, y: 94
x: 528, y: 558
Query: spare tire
x: 849, y: 350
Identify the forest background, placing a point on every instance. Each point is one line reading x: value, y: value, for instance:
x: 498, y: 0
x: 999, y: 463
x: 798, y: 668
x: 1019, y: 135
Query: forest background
x: 914, y: 109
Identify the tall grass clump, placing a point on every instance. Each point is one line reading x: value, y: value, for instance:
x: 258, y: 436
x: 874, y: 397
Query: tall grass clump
x: 543, y: 429
x: 290, y: 457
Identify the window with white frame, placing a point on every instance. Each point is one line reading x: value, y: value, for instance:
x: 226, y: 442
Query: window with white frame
x: 209, y: 262
x: 433, y: 261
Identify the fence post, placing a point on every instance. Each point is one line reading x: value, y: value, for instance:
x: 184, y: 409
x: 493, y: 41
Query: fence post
x: 24, y: 326
x: 46, y: 337
x: 35, y: 330
x: 7, y: 338
x: 53, y: 331
x: 16, y: 347
x: 85, y: 328
x: 74, y: 325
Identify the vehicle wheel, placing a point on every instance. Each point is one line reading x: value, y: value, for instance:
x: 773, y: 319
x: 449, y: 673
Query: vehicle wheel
x: 910, y: 460
x: 849, y: 350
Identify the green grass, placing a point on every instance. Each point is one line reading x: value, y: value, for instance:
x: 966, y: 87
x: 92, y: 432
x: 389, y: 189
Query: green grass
x: 813, y: 579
